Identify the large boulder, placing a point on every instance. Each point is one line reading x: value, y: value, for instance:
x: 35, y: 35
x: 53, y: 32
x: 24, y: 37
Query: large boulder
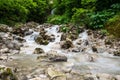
x: 52, y: 56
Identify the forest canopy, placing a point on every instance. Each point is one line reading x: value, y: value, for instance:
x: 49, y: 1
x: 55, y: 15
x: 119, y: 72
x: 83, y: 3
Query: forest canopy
x: 94, y: 14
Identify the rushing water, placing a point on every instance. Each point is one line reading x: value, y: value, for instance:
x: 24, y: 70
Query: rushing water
x: 78, y: 61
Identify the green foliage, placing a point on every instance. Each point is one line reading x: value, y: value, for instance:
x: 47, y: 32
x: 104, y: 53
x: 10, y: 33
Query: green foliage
x: 104, y: 32
x: 98, y: 20
x: 57, y: 19
x: 12, y: 11
x: 64, y: 29
x: 113, y: 25
x: 80, y: 16
x: 88, y: 4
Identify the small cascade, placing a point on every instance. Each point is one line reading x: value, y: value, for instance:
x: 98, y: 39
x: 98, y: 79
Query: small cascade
x: 84, y: 61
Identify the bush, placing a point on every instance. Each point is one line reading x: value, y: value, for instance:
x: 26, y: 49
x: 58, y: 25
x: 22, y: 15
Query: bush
x: 57, y: 19
x: 80, y: 17
x: 113, y: 25
x: 12, y: 11
x: 98, y: 20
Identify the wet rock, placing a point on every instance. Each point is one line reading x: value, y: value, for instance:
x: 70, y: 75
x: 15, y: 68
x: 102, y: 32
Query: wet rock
x: 89, y: 78
x: 5, y: 50
x: 40, y: 40
x: 20, y: 39
x: 108, y: 42
x: 13, y: 44
x: 86, y: 42
x: 71, y: 36
x: 89, y: 32
x: 75, y: 50
x: 31, y: 24
x: 24, y: 77
x: 60, y: 78
x: 74, y: 77
x: 58, y: 58
x: 39, y: 78
x: 28, y: 33
x: 55, y: 57
x: 67, y: 44
x: 94, y: 48
x: 104, y: 76
x: 20, y: 31
x: 55, y: 73
x: 116, y: 53
x: 3, y: 28
x: 38, y: 51
x: 7, y: 74
x: 63, y: 36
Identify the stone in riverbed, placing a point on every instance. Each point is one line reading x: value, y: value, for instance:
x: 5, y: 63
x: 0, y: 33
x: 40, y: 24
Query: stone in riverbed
x: 7, y: 73
x: 55, y: 57
x: 116, y: 53
x: 40, y: 40
x: 58, y: 58
x: 55, y: 74
x: 67, y: 44
x: 38, y: 51
x: 94, y: 48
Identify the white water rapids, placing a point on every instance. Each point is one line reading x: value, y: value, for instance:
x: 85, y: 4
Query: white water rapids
x: 78, y: 61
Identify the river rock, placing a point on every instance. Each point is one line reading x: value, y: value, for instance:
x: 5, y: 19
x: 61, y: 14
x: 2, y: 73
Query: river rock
x: 31, y: 24
x: 53, y: 73
x: 5, y: 50
x: 63, y: 36
x: 40, y: 40
x: 105, y: 76
x: 7, y: 73
x: 52, y: 56
x: 55, y: 57
x: 28, y: 33
x: 20, y: 31
x: 13, y: 44
x: 18, y: 38
x: 38, y: 51
x: 108, y: 42
x: 3, y: 28
x: 116, y: 53
x: 66, y: 44
x: 94, y: 48
x: 39, y: 78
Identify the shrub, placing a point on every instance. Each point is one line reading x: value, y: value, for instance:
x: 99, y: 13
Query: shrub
x: 113, y: 25
x: 12, y: 11
x: 57, y: 19
x: 80, y: 17
x: 98, y: 20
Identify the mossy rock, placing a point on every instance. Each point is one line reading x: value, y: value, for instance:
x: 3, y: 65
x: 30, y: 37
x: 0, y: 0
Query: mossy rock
x: 67, y: 44
x: 7, y: 74
x: 3, y: 28
x: 41, y: 41
x: 116, y: 53
x: 38, y: 51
